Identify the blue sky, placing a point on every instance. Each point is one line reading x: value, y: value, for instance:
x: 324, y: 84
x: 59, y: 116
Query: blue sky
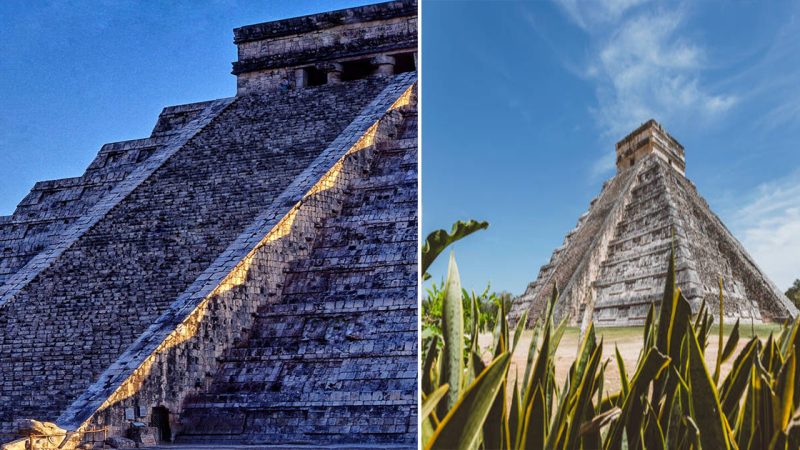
x: 523, y: 102
x: 75, y: 75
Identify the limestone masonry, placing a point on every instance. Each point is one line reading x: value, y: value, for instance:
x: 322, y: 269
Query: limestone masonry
x: 245, y: 274
x: 613, y: 264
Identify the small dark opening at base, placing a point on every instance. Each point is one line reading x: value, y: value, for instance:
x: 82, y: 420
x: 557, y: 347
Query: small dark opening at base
x: 315, y: 77
x: 355, y: 70
x: 404, y: 62
x: 159, y: 418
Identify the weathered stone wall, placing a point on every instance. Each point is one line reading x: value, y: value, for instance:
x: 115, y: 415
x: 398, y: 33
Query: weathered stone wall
x: 179, y: 354
x: 48, y: 214
x: 84, y: 303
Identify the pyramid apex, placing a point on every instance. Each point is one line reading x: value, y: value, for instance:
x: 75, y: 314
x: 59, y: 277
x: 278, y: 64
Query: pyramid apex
x: 650, y: 137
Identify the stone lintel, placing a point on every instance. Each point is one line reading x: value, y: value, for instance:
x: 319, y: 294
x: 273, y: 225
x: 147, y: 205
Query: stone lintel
x: 284, y: 54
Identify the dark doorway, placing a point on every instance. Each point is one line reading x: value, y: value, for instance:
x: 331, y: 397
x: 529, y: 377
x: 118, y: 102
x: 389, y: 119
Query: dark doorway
x: 315, y: 77
x: 159, y: 418
x: 355, y: 70
x: 404, y: 62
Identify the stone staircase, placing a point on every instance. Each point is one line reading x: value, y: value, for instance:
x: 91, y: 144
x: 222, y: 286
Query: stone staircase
x: 334, y: 360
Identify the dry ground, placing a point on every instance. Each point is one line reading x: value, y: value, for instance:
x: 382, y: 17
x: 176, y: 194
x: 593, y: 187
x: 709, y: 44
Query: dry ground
x: 629, y: 342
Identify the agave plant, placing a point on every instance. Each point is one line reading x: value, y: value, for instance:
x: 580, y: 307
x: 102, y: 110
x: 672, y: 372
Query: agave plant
x: 671, y: 401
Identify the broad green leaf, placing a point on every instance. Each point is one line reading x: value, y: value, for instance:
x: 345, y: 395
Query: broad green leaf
x: 438, y: 240
x: 461, y: 427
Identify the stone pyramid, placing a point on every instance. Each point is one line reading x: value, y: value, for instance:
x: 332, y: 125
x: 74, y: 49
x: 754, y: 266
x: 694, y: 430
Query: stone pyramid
x: 612, y: 265
x: 245, y: 274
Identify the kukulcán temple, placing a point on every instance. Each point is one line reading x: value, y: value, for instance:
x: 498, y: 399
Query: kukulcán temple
x: 613, y: 265
x: 247, y: 273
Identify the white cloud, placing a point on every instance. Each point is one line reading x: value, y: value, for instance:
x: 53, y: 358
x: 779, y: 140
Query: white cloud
x: 589, y: 14
x: 768, y: 224
x: 643, y: 67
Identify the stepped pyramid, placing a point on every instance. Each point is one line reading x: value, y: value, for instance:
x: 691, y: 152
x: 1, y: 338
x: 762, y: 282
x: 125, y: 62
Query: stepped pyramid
x: 244, y: 275
x: 612, y: 265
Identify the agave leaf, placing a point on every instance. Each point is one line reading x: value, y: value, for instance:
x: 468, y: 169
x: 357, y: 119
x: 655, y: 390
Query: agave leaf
x: 736, y: 382
x: 681, y: 321
x: 766, y: 424
x: 784, y: 388
x: 552, y: 305
x: 515, y: 414
x: 540, y: 380
x: 705, y: 406
x: 599, y: 382
x: 653, y: 434
x: 578, y: 377
x: 747, y: 421
x: 693, y: 432
x: 652, y: 365
x: 477, y: 366
x: 438, y: 240
x: 623, y: 376
x: 789, y: 339
x: 427, y: 365
x: 531, y: 358
x: 600, y: 420
x: 503, y: 343
x: 720, y: 351
x: 534, y: 430
x: 701, y: 316
x: 453, y: 333
x: 583, y: 398
x: 461, y: 427
x: 494, y: 426
x: 733, y: 340
x: 518, y: 330
x: 668, y: 307
x: 768, y: 354
x: 429, y: 402
x: 557, y: 335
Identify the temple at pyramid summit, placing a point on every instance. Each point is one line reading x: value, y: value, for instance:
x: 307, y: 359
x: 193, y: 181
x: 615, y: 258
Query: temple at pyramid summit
x: 612, y: 266
x: 247, y: 274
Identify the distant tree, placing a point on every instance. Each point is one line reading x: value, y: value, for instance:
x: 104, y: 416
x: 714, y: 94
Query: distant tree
x: 794, y: 293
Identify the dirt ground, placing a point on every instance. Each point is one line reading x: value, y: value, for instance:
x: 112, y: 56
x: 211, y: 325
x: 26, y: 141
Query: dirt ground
x: 629, y: 342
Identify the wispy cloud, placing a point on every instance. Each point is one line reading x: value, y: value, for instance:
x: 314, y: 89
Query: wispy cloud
x: 642, y: 66
x: 588, y: 15
x: 769, y: 225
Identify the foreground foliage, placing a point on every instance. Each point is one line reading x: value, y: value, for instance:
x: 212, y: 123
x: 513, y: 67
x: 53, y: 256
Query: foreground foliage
x: 670, y: 400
